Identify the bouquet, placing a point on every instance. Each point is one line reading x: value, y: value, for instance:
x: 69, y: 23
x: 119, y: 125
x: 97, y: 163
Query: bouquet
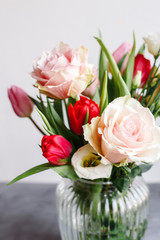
x: 98, y: 124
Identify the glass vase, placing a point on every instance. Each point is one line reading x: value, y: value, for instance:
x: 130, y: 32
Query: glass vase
x: 98, y: 211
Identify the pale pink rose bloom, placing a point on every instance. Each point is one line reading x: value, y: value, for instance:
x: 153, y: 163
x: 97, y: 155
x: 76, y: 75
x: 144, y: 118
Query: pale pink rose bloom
x: 63, y: 72
x: 90, y: 91
x: 120, y: 52
x: 21, y: 103
x: 126, y: 132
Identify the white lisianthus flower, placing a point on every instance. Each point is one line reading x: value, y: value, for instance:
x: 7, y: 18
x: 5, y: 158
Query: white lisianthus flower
x: 153, y: 43
x: 126, y: 132
x: 87, y: 164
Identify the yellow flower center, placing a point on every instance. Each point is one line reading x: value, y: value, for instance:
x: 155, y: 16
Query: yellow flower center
x: 92, y: 160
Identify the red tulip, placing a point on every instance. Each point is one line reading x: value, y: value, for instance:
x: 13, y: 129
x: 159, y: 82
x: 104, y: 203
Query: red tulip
x: 77, y: 113
x: 21, y: 103
x: 142, y: 64
x: 120, y: 52
x: 56, y: 149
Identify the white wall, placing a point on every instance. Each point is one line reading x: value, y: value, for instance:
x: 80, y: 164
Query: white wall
x: 29, y: 27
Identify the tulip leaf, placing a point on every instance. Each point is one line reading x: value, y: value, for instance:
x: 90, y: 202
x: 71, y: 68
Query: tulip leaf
x: 120, y: 64
x: 58, y: 108
x: 61, y: 128
x: 38, y: 104
x: 54, y: 125
x: 66, y: 171
x: 119, y: 83
x: 32, y: 171
x: 142, y: 49
x: 104, y: 95
x: 144, y: 167
x: 96, y: 97
x: 43, y: 109
x: 103, y: 66
x: 122, y: 184
x: 130, y: 65
x: 72, y: 101
x: 46, y: 121
x: 87, y: 117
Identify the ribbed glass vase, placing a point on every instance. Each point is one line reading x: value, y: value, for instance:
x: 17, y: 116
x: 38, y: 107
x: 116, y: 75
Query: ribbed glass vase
x: 98, y: 211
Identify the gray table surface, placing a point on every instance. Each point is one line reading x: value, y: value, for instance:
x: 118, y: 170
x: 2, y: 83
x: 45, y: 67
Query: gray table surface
x: 28, y: 212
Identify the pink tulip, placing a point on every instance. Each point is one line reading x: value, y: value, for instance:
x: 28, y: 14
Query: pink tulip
x: 120, y: 52
x: 21, y: 103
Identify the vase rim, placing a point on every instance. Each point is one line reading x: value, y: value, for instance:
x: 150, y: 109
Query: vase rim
x: 92, y: 182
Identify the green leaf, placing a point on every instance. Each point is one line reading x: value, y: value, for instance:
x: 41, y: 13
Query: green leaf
x: 119, y: 83
x: 66, y: 171
x: 96, y: 97
x: 103, y: 66
x: 104, y: 95
x: 127, y: 169
x: 58, y: 108
x: 61, y: 128
x: 72, y: 101
x: 38, y: 104
x: 45, y: 121
x: 122, y: 183
x: 122, y: 61
x: 32, y: 171
x: 145, y: 167
x: 142, y: 49
x: 51, y: 114
x: 135, y: 171
x: 111, y: 90
x: 130, y: 65
x: 87, y: 117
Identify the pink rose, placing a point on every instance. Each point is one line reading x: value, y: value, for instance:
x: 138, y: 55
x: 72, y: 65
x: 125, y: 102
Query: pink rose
x: 63, y: 72
x: 21, y: 103
x: 126, y: 132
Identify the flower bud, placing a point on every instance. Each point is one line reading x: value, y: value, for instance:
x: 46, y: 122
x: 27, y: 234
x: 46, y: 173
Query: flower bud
x: 21, y: 103
x: 77, y: 113
x: 137, y: 80
x: 153, y: 43
x: 56, y: 149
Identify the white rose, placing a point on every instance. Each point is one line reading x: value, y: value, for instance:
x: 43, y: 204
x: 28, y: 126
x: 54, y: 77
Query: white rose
x: 126, y: 132
x: 153, y: 42
x: 85, y: 153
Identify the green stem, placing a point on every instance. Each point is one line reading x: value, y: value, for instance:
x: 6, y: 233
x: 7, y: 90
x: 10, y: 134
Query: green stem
x: 66, y: 108
x: 150, y: 99
x: 43, y: 133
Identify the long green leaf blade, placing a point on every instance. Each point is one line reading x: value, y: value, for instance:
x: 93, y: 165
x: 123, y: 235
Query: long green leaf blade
x: 58, y: 107
x: 62, y: 130
x: 45, y: 121
x: 32, y: 171
x: 117, y: 78
x: 104, y: 95
x: 130, y: 65
x: 103, y: 66
x: 66, y: 171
